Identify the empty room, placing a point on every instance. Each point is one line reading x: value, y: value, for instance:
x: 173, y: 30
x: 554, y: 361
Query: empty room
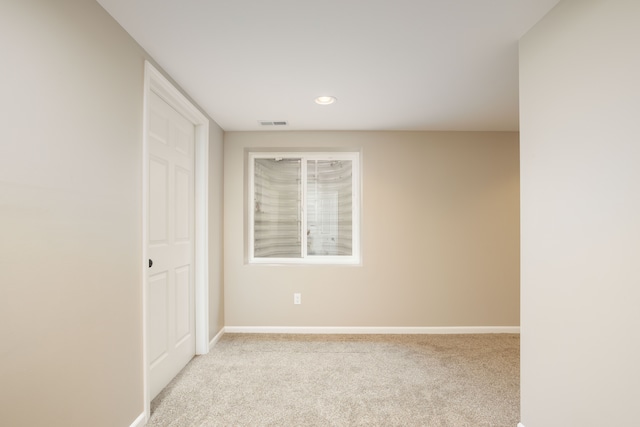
x: 337, y: 213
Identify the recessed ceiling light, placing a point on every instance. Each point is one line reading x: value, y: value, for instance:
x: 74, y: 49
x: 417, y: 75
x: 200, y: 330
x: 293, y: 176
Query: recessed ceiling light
x: 325, y: 100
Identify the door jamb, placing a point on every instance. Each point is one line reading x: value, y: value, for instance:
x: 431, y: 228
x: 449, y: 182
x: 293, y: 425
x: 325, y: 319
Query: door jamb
x: 155, y: 82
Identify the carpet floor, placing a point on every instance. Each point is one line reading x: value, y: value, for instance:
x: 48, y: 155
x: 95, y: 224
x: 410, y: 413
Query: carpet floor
x: 347, y: 380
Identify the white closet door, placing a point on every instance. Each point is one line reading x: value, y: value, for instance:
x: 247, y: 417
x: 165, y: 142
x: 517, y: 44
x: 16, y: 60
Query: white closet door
x: 170, y: 281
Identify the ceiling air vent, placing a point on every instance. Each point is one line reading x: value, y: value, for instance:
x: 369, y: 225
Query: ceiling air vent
x: 271, y: 123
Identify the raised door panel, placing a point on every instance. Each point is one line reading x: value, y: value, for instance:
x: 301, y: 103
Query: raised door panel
x: 158, y: 309
x: 158, y: 200
x: 183, y: 296
x: 183, y: 215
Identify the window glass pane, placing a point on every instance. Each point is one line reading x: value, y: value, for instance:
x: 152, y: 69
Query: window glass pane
x: 277, y: 202
x: 329, y: 205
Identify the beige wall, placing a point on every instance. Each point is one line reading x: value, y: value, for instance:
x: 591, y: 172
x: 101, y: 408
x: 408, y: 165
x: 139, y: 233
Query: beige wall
x: 71, y: 90
x: 216, y: 233
x: 440, y: 236
x: 580, y: 151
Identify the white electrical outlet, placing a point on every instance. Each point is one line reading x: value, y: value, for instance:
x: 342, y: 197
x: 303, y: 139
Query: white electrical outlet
x: 297, y: 298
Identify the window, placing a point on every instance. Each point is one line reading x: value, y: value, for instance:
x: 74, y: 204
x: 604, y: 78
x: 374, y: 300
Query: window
x: 304, y: 208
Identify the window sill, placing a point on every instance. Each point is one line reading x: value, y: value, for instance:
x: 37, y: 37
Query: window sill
x: 288, y: 262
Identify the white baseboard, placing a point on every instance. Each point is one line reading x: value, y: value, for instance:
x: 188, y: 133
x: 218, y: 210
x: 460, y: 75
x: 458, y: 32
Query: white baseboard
x: 140, y: 421
x: 520, y: 425
x: 371, y: 330
x: 215, y: 339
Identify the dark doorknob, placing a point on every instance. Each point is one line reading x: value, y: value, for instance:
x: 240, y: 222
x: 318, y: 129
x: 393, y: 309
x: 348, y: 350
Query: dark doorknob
x: 150, y: 263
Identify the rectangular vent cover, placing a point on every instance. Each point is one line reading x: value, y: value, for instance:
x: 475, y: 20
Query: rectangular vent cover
x: 272, y: 123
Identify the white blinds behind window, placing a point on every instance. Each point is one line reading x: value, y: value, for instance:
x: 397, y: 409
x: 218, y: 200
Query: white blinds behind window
x: 277, y: 200
x: 329, y: 207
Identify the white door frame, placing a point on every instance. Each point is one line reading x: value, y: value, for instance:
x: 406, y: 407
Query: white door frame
x: 155, y: 82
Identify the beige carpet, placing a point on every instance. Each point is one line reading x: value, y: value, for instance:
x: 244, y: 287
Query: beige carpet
x: 347, y: 380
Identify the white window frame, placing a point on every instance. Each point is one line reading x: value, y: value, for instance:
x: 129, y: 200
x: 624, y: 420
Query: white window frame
x: 354, y: 157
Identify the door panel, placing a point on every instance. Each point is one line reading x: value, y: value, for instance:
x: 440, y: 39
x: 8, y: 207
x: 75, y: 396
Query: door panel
x: 158, y: 127
x: 183, y: 295
x: 158, y: 201
x: 184, y: 138
x: 182, y: 211
x: 170, y: 293
x: 159, y: 335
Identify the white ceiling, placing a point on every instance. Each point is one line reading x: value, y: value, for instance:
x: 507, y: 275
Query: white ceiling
x: 392, y: 64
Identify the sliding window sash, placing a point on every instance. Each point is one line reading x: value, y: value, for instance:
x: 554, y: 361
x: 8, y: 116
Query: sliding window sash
x: 324, y: 189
